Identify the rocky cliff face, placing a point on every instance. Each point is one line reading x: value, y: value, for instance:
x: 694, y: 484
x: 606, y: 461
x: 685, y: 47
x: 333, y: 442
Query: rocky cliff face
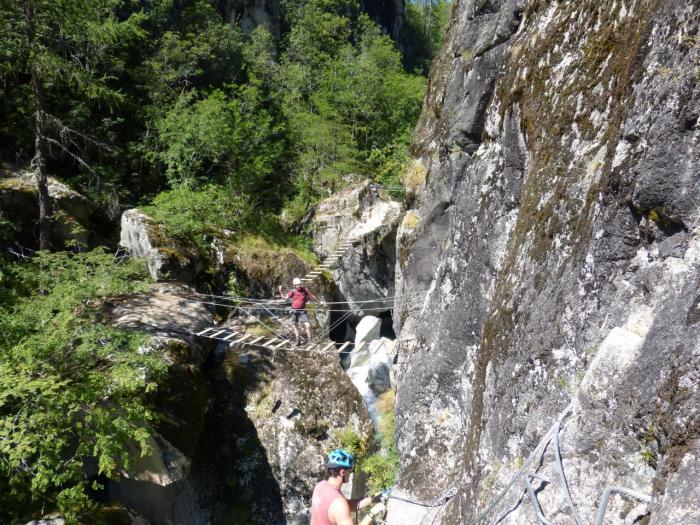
x: 364, y: 275
x: 551, y: 260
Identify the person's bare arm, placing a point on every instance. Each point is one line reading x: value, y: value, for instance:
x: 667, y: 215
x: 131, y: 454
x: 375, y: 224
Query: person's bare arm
x: 360, y: 503
x: 339, y: 512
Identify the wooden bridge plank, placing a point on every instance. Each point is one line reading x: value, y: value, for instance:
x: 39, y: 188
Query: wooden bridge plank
x: 327, y: 347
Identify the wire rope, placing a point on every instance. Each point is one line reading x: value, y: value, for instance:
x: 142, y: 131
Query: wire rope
x: 266, y: 301
x: 282, y: 306
x: 265, y: 325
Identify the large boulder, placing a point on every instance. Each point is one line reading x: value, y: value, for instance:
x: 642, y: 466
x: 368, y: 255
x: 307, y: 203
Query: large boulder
x: 167, y: 258
x: 275, y: 417
x: 19, y: 204
x: 261, y: 268
x: 367, y: 329
x: 251, y: 265
x: 158, y: 486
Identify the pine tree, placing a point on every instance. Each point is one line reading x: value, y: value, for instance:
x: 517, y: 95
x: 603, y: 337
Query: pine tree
x: 62, y: 45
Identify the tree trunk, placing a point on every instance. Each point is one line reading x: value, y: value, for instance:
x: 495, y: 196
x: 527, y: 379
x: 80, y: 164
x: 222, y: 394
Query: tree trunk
x: 40, y: 161
x: 40, y: 144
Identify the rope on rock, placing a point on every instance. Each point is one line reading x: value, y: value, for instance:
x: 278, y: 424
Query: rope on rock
x: 439, y: 501
x: 562, y: 478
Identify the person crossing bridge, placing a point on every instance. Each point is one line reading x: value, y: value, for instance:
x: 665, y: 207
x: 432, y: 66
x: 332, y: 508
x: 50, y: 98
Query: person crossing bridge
x: 299, y: 296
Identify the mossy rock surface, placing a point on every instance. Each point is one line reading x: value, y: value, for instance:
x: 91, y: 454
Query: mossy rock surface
x: 19, y: 202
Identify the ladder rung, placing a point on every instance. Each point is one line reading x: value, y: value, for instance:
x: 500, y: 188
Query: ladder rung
x: 359, y: 347
x: 203, y: 332
x: 343, y: 347
x: 242, y: 338
x: 256, y: 340
x: 327, y: 347
x: 272, y: 340
x: 284, y: 342
x: 232, y: 335
x: 215, y: 335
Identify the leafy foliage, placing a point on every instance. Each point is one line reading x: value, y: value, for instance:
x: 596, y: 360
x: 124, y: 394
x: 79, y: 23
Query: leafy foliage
x: 192, y: 213
x: 382, y: 466
x: 347, y: 100
x: 232, y: 139
x: 70, y: 388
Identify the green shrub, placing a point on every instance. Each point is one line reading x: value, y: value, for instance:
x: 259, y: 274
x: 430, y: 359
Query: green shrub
x: 382, y: 466
x: 351, y: 441
x: 189, y: 214
x: 70, y: 387
x: 225, y: 137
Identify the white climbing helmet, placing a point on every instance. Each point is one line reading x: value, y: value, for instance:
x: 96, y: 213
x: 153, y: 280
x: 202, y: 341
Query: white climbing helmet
x: 296, y: 281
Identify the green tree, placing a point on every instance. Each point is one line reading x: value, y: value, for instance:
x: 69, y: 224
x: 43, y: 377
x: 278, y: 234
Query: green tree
x: 70, y: 388
x: 423, y: 31
x: 354, y: 114
x: 230, y: 139
x: 60, y: 44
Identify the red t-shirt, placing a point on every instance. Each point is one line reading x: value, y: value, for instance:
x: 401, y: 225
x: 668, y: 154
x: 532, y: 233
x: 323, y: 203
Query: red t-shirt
x: 299, y: 298
x: 324, y: 495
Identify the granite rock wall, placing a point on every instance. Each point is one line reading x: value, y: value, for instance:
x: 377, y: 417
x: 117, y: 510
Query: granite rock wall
x: 551, y: 259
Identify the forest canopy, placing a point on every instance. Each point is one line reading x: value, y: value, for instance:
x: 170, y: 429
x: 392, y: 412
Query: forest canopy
x: 149, y: 96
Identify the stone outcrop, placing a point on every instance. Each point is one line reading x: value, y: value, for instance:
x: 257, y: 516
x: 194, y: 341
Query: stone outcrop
x: 273, y: 420
x: 158, y: 486
x: 365, y: 274
x: 260, y: 270
x: 552, y: 257
x: 369, y: 368
x: 166, y: 258
x: 19, y: 204
x: 253, y: 267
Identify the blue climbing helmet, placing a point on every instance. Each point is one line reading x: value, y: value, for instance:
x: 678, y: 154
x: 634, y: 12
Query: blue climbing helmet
x: 340, y: 458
